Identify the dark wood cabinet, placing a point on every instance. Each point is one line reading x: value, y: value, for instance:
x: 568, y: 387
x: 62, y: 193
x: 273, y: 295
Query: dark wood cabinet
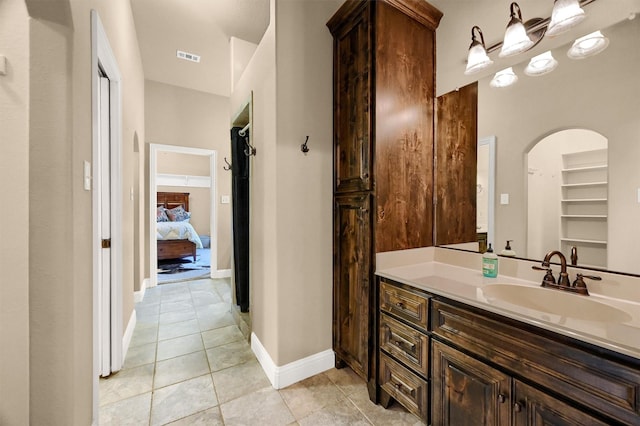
x: 384, y: 56
x: 352, y: 266
x: 532, y: 407
x: 467, y: 391
x: 552, y: 380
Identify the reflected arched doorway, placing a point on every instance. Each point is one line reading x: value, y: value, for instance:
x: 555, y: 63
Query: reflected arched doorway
x: 567, y: 202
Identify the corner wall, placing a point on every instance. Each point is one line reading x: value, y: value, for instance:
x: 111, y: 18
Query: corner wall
x: 14, y: 239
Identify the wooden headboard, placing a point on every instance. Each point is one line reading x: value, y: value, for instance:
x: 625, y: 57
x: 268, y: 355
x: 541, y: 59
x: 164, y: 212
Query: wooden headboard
x: 173, y: 199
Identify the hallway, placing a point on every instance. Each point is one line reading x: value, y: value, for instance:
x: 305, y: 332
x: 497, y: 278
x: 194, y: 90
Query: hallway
x: 189, y: 363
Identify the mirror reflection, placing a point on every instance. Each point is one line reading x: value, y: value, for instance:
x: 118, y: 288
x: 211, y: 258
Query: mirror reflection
x: 568, y: 155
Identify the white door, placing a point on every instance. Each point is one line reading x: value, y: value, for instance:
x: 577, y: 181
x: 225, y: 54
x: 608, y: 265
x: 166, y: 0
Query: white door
x: 104, y: 187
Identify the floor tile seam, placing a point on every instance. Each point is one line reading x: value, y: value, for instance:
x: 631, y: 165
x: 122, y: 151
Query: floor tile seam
x: 225, y: 343
x: 102, y: 407
x: 360, y: 410
x: 247, y: 394
x: 342, y: 397
x: 186, y: 380
x: 178, y: 337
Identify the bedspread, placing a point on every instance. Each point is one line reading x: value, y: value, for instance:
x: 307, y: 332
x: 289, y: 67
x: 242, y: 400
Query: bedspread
x: 177, y: 231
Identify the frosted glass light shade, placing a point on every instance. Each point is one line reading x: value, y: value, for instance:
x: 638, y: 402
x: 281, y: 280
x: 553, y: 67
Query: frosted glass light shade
x: 566, y: 14
x: 541, y: 64
x: 516, y: 39
x: 477, y: 60
x: 504, y: 78
x: 589, y: 45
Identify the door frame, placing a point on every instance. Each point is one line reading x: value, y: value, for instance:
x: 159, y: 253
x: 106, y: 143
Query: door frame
x: 102, y: 58
x: 154, y: 149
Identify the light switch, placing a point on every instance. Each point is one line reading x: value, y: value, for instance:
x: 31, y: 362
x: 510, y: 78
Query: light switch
x: 504, y: 199
x: 639, y: 195
x: 3, y: 65
x: 225, y: 199
x: 87, y: 176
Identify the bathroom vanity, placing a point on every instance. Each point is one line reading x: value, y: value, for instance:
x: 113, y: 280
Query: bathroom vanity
x: 456, y: 348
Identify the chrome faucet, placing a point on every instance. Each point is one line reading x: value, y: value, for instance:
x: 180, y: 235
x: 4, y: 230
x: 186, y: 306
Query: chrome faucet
x: 563, y: 283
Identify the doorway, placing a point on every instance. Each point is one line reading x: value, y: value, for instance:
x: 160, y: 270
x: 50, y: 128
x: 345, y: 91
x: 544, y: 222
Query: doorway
x: 106, y: 184
x: 154, y: 151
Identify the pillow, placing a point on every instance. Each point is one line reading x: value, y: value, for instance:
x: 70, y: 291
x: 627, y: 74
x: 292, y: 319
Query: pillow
x: 161, y: 214
x: 178, y: 214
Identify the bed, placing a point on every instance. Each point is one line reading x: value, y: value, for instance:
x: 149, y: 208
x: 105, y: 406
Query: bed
x: 176, y: 238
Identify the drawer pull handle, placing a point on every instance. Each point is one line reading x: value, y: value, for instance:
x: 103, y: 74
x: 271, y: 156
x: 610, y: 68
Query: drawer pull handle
x: 501, y: 398
x: 517, y: 407
x: 403, y: 345
x: 400, y: 305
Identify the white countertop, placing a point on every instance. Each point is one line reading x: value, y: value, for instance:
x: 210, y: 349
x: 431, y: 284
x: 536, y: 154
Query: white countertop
x: 619, y: 333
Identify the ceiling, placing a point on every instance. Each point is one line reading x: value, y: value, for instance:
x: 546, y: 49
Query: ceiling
x: 203, y: 27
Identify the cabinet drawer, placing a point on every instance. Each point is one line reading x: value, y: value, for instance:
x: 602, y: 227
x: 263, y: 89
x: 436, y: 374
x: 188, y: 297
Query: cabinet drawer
x: 405, y: 343
x: 404, y: 386
x: 405, y: 304
x: 596, y: 380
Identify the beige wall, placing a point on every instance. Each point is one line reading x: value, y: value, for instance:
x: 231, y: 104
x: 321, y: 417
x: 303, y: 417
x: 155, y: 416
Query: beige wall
x: 57, y: 141
x: 14, y: 238
x: 594, y: 93
x: 185, y: 117
x: 291, y: 204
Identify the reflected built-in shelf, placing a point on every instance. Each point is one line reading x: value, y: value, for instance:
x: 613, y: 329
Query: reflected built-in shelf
x: 584, y: 216
x: 586, y: 168
x: 580, y: 240
x: 584, y: 200
x: 583, y: 185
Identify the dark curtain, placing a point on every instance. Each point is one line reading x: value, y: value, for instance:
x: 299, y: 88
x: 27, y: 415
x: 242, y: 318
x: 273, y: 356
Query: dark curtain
x: 240, y: 216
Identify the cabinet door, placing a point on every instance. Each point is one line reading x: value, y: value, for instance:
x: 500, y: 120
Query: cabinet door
x: 467, y: 391
x: 535, y: 408
x: 352, y: 279
x: 352, y: 102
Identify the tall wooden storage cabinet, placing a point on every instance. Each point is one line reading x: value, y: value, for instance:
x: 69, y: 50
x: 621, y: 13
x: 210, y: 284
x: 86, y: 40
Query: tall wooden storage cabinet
x: 384, y: 80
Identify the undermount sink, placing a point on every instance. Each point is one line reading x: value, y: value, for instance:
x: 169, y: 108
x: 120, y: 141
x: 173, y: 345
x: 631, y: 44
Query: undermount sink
x: 554, y: 302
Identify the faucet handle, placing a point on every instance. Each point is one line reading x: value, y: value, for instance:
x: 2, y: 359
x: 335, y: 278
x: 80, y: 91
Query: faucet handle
x: 580, y: 285
x: 548, y: 276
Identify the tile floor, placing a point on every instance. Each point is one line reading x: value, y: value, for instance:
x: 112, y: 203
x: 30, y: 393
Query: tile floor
x: 189, y: 364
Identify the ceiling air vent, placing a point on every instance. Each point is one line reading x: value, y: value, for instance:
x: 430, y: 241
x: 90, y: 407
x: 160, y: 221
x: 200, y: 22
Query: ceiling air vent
x: 188, y: 56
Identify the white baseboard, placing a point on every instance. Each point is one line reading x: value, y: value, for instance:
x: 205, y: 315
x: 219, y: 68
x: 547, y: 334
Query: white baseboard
x: 281, y: 377
x: 221, y: 273
x: 128, y: 334
x: 139, y: 295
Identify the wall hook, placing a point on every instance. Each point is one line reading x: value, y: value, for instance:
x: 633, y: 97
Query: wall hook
x: 304, y: 148
x: 249, y: 150
x: 228, y: 166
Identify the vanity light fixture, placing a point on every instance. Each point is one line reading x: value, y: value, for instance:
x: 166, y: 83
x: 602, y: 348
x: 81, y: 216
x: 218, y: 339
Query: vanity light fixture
x: 565, y: 15
x: 516, y: 39
x: 478, y: 58
x: 589, y: 45
x: 504, y: 78
x: 541, y: 64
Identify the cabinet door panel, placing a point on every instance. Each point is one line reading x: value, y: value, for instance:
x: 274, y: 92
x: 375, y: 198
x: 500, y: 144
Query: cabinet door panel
x: 535, y: 408
x: 352, y: 115
x: 467, y: 391
x: 352, y: 277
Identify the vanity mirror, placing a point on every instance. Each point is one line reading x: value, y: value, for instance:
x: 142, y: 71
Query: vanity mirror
x: 582, y: 122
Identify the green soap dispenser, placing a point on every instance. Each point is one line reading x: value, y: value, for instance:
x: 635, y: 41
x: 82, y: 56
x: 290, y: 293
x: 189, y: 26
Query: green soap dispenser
x: 490, y: 263
x: 508, y: 251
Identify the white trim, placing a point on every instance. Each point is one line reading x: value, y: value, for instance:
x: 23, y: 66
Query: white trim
x: 491, y: 141
x: 102, y: 57
x: 138, y: 296
x: 281, y: 377
x: 221, y: 273
x: 164, y: 179
x: 128, y: 333
x: 153, y: 188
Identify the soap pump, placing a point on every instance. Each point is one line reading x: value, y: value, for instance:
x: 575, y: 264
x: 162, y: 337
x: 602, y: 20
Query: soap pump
x: 507, y: 250
x: 490, y: 263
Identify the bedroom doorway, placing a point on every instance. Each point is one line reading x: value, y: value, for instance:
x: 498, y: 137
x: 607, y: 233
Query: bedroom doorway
x: 154, y: 151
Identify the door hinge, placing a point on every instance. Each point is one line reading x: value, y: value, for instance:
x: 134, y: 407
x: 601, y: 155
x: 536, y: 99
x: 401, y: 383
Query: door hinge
x: 106, y: 243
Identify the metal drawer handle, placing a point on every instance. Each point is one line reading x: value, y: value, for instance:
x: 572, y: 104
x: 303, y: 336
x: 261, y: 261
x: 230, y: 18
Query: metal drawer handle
x: 400, y: 305
x: 517, y: 407
x: 501, y: 398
